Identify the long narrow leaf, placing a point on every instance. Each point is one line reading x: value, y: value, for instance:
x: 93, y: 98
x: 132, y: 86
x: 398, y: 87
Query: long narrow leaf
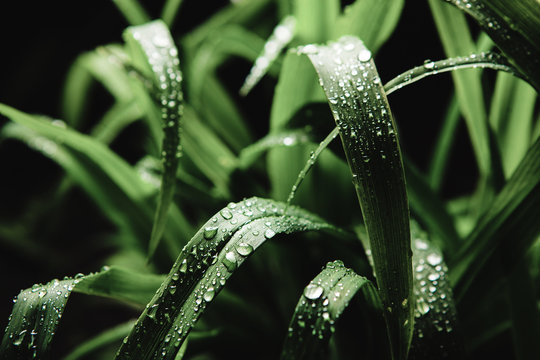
x: 358, y: 102
x: 132, y: 11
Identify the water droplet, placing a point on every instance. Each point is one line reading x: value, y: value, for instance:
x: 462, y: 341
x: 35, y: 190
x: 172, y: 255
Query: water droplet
x: 160, y: 40
x: 429, y: 65
x: 230, y: 261
x: 244, y: 249
x: 269, y: 233
x: 434, y: 277
x: 183, y: 266
x: 210, y: 232
x: 434, y: 259
x: 226, y: 214
x: 19, y: 338
x: 209, y: 294
x: 313, y: 291
x: 364, y: 55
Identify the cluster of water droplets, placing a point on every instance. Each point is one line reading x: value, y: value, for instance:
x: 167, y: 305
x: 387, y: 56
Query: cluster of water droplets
x: 281, y: 36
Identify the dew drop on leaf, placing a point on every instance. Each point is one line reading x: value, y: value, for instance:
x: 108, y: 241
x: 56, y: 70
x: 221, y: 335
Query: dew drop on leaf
x: 269, y: 233
x: 244, y: 249
x: 230, y: 261
x: 209, y: 294
x: 210, y: 232
x: 313, y: 291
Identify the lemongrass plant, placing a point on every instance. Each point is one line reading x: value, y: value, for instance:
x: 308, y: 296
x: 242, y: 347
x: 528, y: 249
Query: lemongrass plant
x: 367, y: 254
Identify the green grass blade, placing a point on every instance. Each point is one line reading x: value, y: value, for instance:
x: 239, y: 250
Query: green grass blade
x: 514, y: 27
x: 120, y: 284
x: 507, y: 225
x: 34, y: 319
x: 105, y: 338
x: 371, y: 20
x: 170, y: 10
x: 457, y: 41
x: 315, y: 19
x: 116, y: 119
x: 320, y: 306
x: 358, y: 102
x: 202, y: 269
x: 161, y: 56
x: 511, y: 117
x: 132, y: 11
x: 282, y: 35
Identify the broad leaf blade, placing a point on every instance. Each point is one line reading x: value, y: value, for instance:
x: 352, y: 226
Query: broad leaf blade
x: 358, y: 102
x: 322, y: 303
x: 161, y: 57
x: 202, y: 270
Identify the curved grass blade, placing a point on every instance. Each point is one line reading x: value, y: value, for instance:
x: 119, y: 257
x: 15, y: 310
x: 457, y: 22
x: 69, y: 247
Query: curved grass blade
x: 38, y: 310
x: 509, y: 224
x: 202, y: 270
x: 371, y: 20
x: 105, y: 338
x: 514, y: 27
x: 282, y: 35
x: 368, y: 133
x: 34, y: 319
x: 132, y: 11
x: 484, y: 60
x: 322, y: 303
x: 161, y: 57
x: 170, y: 10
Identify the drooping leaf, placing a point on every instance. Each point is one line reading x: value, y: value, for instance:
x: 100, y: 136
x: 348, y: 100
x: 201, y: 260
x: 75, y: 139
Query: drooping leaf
x: 319, y: 308
x: 34, y: 319
x: 161, y: 61
x: 368, y: 133
x: 203, y: 268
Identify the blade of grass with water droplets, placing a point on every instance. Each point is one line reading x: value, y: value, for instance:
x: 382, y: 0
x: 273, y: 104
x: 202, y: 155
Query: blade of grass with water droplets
x: 282, y: 35
x: 368, y: 133
x: 371, y: 20
x: 322, y: 303
x: 34, y: 319
x: 132, y: 11
x: 161, y: 57
x: 514, y: 27
x: 457, y: 41
x: 202, y: 269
